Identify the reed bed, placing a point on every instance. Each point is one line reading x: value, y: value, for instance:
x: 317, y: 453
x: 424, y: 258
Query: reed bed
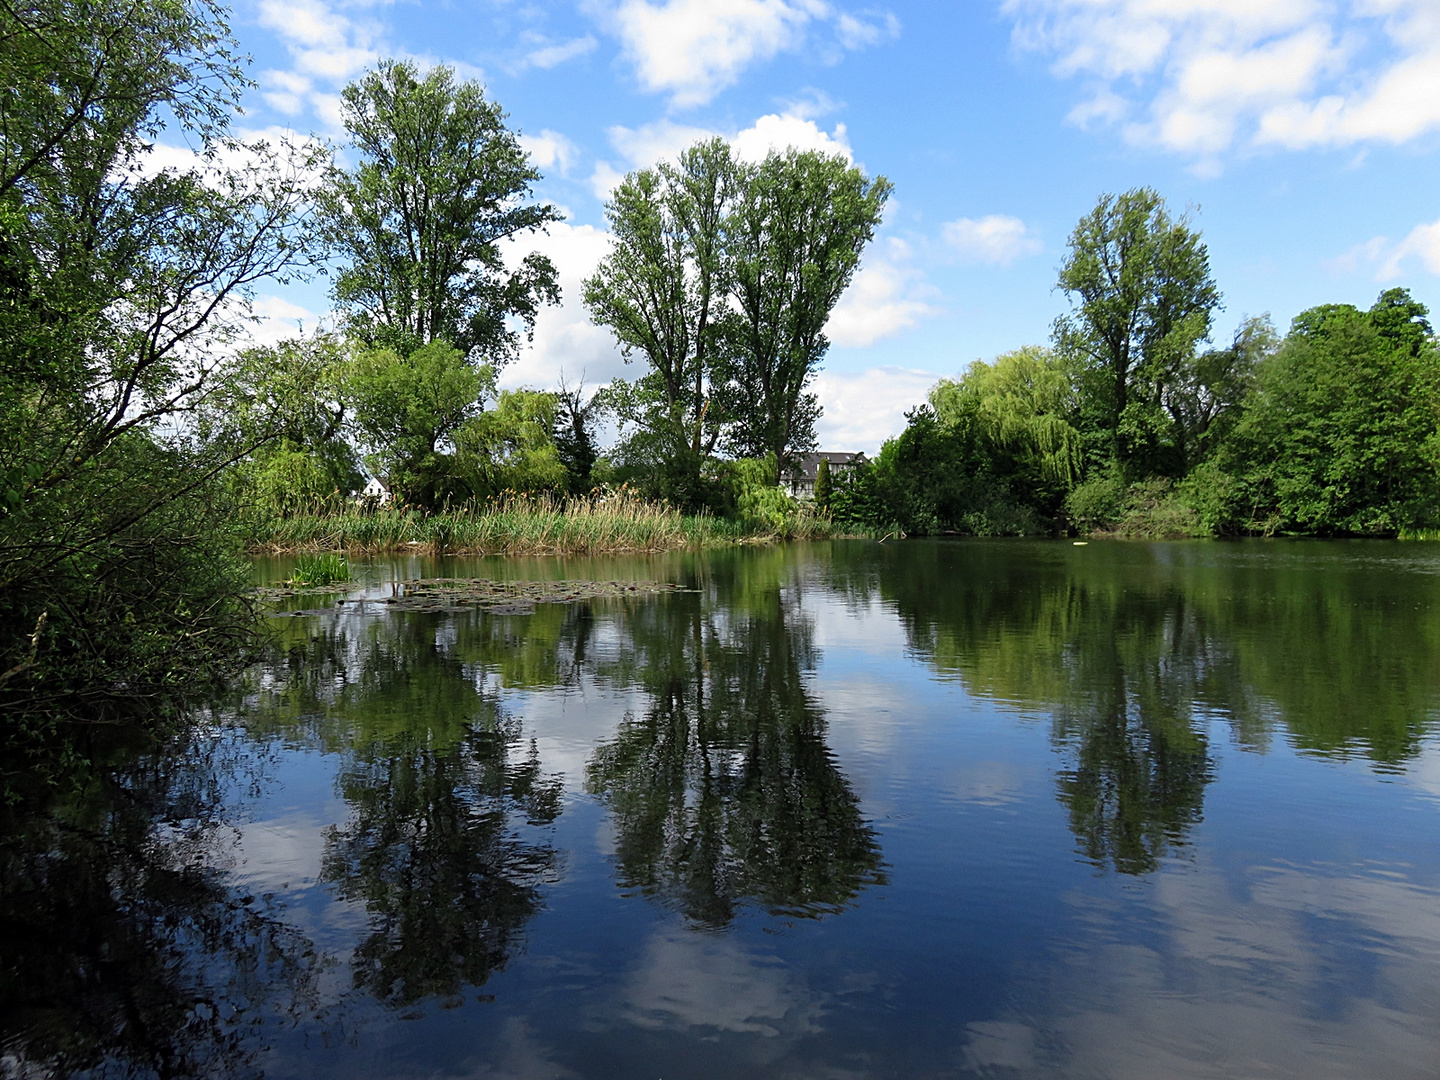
x: 519, y: 525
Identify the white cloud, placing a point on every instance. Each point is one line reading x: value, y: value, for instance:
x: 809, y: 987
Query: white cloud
x: 651, y: 143
x: 276, y: 319
x: 995, y: 239
x: 1201, y: 77
x: 663, y: 140
x: 550, y: 150
x: 322, y: 42
x: 885, y: 297
x: 779, y: 132
x: 863, y: 409
x: 693, y: 49
x: 605, y: 179
x: 566, y: 341
x: 550, y: 56
x: 1389, y: 258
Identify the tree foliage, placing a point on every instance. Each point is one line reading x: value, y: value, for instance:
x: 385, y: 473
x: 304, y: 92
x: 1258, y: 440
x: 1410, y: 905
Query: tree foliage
x: 723, y: 276
x: 662, y: 290
x: 421, y: 221
x: 120, y: 284
x: 1144, y: 299
x: 1342, y: 433
x: 800, y: 224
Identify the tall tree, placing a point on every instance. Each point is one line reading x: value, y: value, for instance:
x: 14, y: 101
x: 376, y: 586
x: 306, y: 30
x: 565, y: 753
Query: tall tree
x: 1144, y: 298
x: 120, y: 287
x: 661, y: 291
x: 421, y: 220
x: 795, y: 238
x: 1342, y: 431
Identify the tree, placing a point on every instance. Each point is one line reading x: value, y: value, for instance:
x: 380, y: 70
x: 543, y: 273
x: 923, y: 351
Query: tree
x: 661, y: 291
x: 409, y: 408
x: 1340, y: 434
x: 512, y: 446
x: 1023, y: 406
x: 575, y: 435
x: 422, y: 220
x: 1144, y: 298
x: 120, y: 287
x: 795, y: 237
x: 822, y: 484
x: 290, y: 400
x: 1207, y: 397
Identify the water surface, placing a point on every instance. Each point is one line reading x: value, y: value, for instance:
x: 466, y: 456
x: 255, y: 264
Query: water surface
x: 1008, y: 809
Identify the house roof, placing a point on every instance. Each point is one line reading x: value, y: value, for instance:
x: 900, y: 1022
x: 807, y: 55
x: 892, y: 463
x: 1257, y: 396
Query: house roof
x: 807, y: 466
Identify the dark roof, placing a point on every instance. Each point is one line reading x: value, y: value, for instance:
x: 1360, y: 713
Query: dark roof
x: 806, y: 466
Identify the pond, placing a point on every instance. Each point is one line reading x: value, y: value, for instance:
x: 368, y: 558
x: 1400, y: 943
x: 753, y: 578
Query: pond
x: 927, y: 809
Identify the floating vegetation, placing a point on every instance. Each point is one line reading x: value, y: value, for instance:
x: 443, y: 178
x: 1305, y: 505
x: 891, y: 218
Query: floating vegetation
x: 497, y: 597
x: 513, y: 597
x: 327, y: 568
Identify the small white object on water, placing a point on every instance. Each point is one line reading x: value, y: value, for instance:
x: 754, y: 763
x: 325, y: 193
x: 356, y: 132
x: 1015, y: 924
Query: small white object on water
x: 1080, y: 543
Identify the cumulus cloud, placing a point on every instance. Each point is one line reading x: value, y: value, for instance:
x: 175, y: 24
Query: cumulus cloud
x: 663, y: 140
x: 327, y: 49
x: 566, y: 341
x: 1202, y: 77
x: 693, y: 49
x: 1389, y: 258
x: 886, y: 296
x: 995, y: 239
x: 863, y: 409
x: 781, y: 132
x: 322, y: 42
x: 550, y: 150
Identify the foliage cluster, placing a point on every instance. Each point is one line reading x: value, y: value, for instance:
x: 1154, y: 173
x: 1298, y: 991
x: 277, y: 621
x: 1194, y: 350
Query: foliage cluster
x: 1127, y: 425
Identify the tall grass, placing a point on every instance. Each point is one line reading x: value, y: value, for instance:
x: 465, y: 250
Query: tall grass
x: 522, y: 525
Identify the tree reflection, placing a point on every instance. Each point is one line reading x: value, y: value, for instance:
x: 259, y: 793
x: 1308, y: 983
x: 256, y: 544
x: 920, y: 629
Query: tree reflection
x: 724, y: 792
x: 443, y: 795
x: 123, y: 951
x: 1133, y: 649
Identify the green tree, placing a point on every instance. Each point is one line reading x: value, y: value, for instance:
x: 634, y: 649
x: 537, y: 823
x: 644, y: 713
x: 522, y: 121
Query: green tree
x: 408, y: 410
x: 661, y: 291
x: 421, y: 221
x: 822, y: 484
x: 512, y: 446
x: 120, y: 287
x: 801, y: 221
x: 1023, y: 407
x: 1340, y: 434
x: 1144, y: 298
x: 290, y: 399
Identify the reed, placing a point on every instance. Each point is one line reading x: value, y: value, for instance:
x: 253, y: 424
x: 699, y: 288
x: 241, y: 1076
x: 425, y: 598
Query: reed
x: 522, y: 525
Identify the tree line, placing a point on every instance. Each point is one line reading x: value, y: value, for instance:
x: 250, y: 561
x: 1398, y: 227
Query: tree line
x: 1127, y: 422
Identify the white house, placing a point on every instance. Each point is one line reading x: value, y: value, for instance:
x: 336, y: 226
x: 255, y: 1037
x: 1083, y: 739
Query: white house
x: 800, y: 479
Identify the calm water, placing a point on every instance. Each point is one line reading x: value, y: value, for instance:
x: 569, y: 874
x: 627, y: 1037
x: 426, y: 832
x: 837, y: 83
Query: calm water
x: 1005, y: 809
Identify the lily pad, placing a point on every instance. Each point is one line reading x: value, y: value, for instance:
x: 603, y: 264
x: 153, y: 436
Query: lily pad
x: 513, y: 597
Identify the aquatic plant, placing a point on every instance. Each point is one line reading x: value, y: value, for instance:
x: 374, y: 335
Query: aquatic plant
x: 326, y: 568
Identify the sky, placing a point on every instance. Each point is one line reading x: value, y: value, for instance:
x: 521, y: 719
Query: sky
x: 1302, y: 137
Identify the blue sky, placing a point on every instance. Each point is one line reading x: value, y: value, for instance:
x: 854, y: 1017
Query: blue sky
x: 1303, y: 134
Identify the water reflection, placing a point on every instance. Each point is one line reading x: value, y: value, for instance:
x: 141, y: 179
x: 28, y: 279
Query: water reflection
x: 1133, y: 650
x: 723, y: 790
x: 437, y: 778
x: 123, y: 949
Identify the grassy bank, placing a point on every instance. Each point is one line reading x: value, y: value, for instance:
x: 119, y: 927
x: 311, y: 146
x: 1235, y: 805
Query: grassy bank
x: 524, y: 526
